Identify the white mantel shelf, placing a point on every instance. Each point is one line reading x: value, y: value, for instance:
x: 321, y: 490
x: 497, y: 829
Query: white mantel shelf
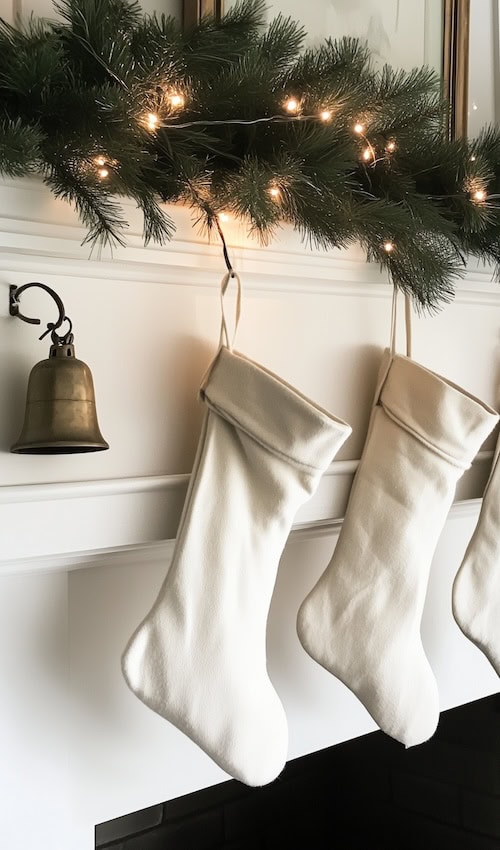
x: 67, y: 526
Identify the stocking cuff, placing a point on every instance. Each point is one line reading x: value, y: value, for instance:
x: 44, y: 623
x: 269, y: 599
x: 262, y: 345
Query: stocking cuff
x: 446, y: 417
x: 271, y: 411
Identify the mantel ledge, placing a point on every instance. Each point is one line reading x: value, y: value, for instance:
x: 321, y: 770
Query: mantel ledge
x: 90, y: 523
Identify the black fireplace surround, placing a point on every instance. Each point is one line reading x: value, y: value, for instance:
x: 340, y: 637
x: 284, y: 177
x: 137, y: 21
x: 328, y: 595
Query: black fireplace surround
x: 365, y: 794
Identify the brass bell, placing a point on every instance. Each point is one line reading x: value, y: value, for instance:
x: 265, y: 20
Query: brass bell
x: 60, y: 415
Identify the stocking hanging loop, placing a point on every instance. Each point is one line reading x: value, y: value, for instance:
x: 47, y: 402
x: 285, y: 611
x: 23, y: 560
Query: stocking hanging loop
x: 224, y: 333
x: 394, y: 317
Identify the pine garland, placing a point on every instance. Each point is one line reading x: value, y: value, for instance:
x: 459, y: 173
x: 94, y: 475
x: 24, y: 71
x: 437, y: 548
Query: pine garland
x: 107, y: 102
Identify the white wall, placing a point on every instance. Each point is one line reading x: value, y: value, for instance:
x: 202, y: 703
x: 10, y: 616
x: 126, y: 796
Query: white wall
x: 75, y: 742
x: 35, y: 796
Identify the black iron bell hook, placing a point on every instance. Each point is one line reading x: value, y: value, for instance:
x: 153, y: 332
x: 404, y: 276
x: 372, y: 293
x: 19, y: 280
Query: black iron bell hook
x: 14, y: 294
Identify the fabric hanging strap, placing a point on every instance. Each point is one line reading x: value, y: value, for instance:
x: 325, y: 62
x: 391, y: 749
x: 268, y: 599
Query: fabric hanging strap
x: 394, y: 318
x: 224, y: 333
x: 224, y: 339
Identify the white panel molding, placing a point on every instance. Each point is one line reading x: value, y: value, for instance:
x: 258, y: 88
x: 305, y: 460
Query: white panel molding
x: 46, y: 233
x: 51, y: 527
x: 54, y: 492
x: 463, y: 509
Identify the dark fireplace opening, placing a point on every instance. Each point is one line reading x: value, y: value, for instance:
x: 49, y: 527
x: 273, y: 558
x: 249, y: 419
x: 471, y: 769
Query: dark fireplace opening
x: 365, y: 794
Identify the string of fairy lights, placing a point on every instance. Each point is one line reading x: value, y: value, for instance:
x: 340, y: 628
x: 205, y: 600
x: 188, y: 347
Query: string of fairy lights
x: 292, y: 111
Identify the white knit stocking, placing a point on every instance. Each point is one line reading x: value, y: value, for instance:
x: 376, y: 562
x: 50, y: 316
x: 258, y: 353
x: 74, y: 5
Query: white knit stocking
x: 476, y: 590
x: 199, y: 657
x: 362, y: 619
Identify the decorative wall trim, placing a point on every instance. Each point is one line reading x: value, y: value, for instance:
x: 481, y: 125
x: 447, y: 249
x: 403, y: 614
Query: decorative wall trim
x: 456, y: 25
x: 57, y: 491
x: 194, y: 10
x: 49, y: 527
x: 54, y: 492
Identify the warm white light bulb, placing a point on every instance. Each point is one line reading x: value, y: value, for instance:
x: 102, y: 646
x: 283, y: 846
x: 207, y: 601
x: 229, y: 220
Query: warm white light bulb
x: 388, y: 247
x: 176, y: 100
x: 390, y: 146
x: 152, y: 120
x: 367, y: 154
x: 291, y: 105
x: 275, y: 193
x: 358, y: 128
x: 99, y: 160
x: 473, y: 158
x: 223, y: 217
x: 325, y: 115
x: 103, y: 173
x: 479, y: 195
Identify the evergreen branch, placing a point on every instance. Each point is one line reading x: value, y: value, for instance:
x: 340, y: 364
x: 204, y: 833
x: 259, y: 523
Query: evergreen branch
x: 213, y: 43
x: 282, y: 41
x: 158, y: 225
x: 99, y: 214
x: 20, y: 148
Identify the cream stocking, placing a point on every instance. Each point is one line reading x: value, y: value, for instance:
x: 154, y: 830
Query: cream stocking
x: 199, y: 657
x: 476, y: 590
x: 362, y: 619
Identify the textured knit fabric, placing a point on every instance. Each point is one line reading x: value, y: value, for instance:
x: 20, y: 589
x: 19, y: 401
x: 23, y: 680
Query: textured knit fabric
x: 476, y: 590
x: 362, y: 619
x: 199, y: 657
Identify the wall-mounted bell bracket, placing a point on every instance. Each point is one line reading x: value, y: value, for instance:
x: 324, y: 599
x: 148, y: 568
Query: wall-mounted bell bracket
x: 15, y: 293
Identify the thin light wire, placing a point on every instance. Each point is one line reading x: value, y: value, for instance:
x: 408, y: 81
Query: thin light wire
x: 272, y: 118
x: 224, y: 248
